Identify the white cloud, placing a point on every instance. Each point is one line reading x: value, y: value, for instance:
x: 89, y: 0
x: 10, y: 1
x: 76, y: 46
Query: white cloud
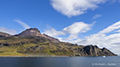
x: 117, y: 31
x: 96, y: 16
x: 75, y: 7
x: 52, y: 32
x: 9, y: 31
x: 78, y: 27
x: 111, y: 28
x: 70, y: 38
x: 72, y: 30
x: 22, y: 23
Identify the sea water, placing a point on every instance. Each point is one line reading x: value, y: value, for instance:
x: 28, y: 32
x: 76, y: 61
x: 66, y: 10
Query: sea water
x: 112, y: 61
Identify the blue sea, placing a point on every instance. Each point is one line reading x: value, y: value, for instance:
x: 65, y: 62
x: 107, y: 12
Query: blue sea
x: 113, y: 61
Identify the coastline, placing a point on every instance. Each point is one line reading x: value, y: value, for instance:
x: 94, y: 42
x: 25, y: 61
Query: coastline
x: 34, y: 56
x: 53, y: 56
x: 31, y: 55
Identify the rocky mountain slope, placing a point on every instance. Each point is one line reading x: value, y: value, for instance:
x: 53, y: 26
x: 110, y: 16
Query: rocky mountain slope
x: 4, y: 34
x: 34, y: 32
x: 91, y: 50
x: 31, y: 41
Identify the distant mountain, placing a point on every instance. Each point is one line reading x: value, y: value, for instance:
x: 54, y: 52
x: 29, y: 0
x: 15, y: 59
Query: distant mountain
x: 4, y: 34
x: 31, y: 41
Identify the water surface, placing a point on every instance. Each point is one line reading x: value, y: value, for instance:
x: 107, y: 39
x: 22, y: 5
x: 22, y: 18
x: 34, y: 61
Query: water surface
x: 60, y: 61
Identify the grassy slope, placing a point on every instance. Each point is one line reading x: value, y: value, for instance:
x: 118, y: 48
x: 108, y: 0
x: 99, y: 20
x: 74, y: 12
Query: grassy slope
x: 9, y: 51
x: 16, y: 48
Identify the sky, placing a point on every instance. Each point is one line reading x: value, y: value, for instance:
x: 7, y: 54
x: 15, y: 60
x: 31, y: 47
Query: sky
x: 83, y: 22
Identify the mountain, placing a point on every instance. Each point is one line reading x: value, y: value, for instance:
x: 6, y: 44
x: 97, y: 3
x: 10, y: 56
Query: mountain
x: 34, y: 32
x: 4, y: 34
x: 32, y: 42
x: 30, y: 32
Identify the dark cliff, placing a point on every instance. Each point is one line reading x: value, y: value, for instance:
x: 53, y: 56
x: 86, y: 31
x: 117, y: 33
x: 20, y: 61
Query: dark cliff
x: 91, y: 50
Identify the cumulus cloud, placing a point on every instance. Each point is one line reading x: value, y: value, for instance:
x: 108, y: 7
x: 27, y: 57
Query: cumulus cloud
x: 22, y: 23
x: 111, y: 28
x: 70, y: 38
x: 9, y: 31
x: 117, y: 31
x: 75, y: 7
x: 73, y: 30
x: 96, y: 16
x: 78, y: 27
x: 52, y: 32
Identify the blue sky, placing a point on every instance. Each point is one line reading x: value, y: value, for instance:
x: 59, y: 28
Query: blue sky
x: 77, y: 21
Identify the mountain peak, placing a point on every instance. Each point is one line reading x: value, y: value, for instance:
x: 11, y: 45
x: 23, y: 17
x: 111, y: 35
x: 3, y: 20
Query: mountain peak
x: 30, y: 32
x: 33, y: 29
x: 35, y: 32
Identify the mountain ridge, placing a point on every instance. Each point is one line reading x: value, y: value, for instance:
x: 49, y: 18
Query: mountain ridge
x: 32, y: 41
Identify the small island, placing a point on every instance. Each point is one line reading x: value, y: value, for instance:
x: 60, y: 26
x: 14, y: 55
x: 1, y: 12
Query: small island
x: 32, y: 43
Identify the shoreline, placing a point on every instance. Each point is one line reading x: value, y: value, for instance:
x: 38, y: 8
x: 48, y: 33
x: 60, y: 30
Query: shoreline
x: 35, y: 56
x: 56, y: 56
x: 31, y: 55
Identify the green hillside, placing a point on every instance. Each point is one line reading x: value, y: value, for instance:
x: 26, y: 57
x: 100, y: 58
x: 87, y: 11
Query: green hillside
x: 33, y: 45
